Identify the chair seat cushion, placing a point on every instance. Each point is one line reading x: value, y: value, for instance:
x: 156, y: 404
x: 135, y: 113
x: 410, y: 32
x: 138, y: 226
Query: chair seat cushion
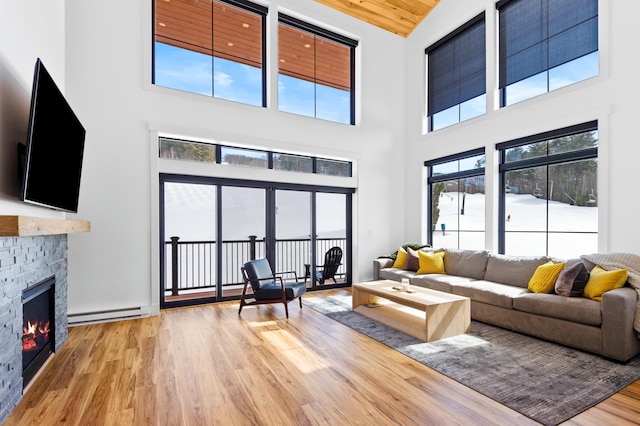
x: 274, y: 291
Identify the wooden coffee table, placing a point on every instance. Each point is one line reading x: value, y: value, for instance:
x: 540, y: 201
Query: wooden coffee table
x: 425, y: 314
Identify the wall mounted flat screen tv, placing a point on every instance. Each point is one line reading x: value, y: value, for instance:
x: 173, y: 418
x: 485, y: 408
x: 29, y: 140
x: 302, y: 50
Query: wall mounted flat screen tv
x: 54, y: 147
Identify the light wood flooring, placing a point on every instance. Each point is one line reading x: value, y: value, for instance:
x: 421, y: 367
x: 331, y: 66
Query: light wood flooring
x: 206, y: 366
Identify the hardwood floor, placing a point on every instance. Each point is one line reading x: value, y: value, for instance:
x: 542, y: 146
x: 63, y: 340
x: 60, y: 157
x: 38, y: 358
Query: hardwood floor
x: 205, y: 365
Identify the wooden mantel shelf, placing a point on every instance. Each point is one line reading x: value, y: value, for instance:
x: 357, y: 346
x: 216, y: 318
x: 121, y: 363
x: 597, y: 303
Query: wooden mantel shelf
x: 24, y: 226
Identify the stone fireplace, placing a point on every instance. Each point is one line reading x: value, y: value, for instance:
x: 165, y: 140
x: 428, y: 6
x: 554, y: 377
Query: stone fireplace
x: 32, y: 252
x: 24, y: 263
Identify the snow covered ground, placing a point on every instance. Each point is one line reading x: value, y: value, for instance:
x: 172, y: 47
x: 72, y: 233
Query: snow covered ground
x: 190, y: 213
x: 572, y: 229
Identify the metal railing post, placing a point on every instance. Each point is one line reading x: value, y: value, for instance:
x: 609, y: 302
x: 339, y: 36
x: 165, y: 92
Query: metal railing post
x: 252, y: 247
x: 174, y: 266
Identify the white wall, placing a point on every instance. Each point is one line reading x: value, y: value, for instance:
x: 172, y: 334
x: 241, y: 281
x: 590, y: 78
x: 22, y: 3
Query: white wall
x: 108, y: 74
x: 28, y: 29
x: 611, y: 98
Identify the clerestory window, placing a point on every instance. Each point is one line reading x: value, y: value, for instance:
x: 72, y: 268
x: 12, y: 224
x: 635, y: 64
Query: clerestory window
x: 545, y: 45
x: 316, y: 71
x: 213, y: 153
x: 214, y: 48
x: 456, y: 75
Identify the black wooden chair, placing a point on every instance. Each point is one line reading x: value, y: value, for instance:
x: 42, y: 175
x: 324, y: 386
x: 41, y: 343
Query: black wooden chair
x: 269, y: 287
x: 332, y: 259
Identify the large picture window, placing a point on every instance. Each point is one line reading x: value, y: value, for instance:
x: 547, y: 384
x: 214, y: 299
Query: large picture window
x: 456, y: 80
x: 456, y: 200
x: 549, y: 201
x: 545, y: 45
x: 316, y: 70
x: 214, y: 48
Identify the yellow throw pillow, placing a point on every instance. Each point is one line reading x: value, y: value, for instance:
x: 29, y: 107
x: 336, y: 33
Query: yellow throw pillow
x: 601, y: 281
x: 401, y: 259
x: 545, y: 277
x: 431, y: 263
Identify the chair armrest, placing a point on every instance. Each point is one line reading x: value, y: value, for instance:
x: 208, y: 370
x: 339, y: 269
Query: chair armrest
x: 280, y: 274
x: 258, y: 280
x: 273, y: 278
x: 321, y: 267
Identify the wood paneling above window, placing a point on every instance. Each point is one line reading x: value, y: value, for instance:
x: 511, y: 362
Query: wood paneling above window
x: 305, y: 56
x: 189, y: 24
x: 224, y: 31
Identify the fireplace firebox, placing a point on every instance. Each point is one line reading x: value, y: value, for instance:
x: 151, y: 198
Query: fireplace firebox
x: 38, y: 327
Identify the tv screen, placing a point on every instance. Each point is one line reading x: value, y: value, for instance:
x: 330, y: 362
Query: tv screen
x: 54, y: 148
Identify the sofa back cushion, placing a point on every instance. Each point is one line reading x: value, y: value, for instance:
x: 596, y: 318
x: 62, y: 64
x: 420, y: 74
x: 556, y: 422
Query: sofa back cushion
x: 512, y: 270
x: 466, y: 263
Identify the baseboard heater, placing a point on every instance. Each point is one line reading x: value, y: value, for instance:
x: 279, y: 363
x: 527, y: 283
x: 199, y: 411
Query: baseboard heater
x: 108, y: 315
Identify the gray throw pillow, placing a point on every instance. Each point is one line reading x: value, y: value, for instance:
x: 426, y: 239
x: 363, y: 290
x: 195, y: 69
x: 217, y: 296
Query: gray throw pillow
x: 412, y: 263
x: 572, y: 280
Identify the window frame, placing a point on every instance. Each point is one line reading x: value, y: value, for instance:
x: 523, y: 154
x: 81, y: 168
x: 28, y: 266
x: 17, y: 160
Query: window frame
x: 548, y: 160
x: 268, y: 244
x: 431, y: 179
x: 219, y: 148
x: 453, y: 37
x: 246, y: 5
x: 317, y: 31
x: 502, y: 60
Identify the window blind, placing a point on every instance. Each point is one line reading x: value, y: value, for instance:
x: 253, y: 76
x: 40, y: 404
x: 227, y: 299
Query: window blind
x: 537, y: 35
x: 456, y: 66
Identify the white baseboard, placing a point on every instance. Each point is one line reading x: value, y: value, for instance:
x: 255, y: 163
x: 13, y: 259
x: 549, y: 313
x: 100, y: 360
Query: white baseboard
x: 108, y: 316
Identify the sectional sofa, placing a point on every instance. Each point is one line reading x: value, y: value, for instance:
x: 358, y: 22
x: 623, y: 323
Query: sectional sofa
x: 499, y: 287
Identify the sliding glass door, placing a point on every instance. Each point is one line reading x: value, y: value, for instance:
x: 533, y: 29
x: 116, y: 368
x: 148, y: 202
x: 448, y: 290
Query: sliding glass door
x: 331, y: 212
x: 243, y: 225
x: 292, y: 231
x: 189, y: 235
x: 211, y: 227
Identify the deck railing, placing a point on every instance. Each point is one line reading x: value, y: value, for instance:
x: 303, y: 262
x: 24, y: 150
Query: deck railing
x: 191, y: 265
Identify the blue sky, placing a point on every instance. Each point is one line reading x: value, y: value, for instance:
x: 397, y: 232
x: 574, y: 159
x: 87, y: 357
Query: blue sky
x: 192, y: 72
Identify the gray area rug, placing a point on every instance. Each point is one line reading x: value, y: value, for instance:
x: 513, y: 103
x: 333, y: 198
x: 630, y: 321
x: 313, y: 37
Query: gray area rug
x: 546, y: 382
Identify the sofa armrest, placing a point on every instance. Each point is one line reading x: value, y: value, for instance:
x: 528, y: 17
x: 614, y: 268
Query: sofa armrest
x: 619, y: 339
x: 380, y: 263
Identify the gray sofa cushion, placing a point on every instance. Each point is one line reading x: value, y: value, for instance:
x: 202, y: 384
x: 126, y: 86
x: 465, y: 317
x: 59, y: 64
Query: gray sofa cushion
x: 575, y: 309
x: 395, y: 274
x: 439, y: 282
x: 491, y: 293
x: 466, y: 263
x: 512, y: 270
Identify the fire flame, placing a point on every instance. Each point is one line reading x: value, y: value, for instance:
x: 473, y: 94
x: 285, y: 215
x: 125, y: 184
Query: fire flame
x: 33, y: 333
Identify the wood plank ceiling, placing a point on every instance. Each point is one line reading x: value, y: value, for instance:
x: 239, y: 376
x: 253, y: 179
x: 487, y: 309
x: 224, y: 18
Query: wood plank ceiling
x: 397, y: 16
